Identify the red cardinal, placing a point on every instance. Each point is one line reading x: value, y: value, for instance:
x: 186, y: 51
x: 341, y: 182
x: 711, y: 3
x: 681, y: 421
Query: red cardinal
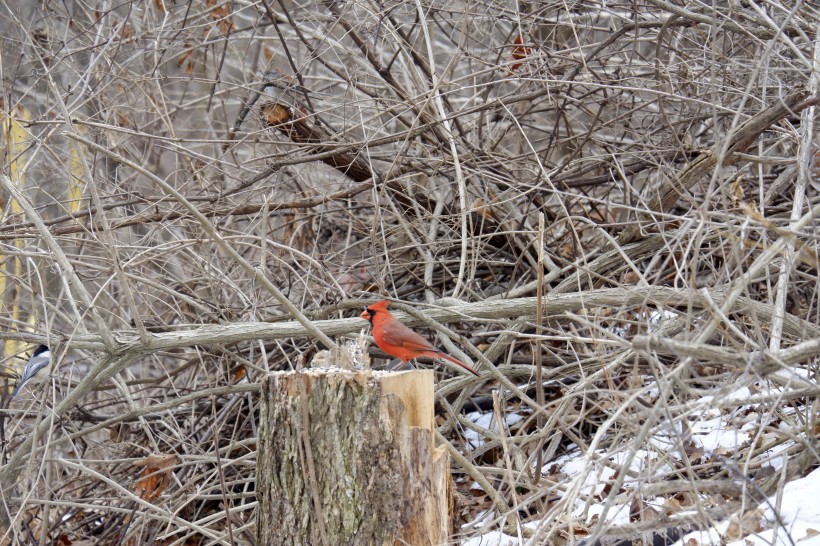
x: 396, y: 339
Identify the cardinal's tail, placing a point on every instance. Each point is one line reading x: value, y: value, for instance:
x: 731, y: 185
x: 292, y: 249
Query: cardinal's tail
x: 458, y: 362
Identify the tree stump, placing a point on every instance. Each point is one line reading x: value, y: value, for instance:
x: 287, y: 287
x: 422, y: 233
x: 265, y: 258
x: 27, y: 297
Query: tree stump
x: 348, y: 458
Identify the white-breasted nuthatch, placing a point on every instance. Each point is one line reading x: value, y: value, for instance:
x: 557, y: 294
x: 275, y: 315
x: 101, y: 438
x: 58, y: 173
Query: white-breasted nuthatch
x: 37, y: 369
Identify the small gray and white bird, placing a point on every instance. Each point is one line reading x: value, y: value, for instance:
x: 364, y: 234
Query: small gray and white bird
x: 37, y: 369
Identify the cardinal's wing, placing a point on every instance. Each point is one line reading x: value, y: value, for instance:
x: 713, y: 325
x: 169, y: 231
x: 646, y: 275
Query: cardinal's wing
x: 396, y: 333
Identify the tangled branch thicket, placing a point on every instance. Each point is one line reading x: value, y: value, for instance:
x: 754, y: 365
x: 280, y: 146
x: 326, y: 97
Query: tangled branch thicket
x: 181, y: 176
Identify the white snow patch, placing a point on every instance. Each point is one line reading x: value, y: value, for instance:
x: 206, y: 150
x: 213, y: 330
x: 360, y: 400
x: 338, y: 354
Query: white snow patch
x: 799, y: 513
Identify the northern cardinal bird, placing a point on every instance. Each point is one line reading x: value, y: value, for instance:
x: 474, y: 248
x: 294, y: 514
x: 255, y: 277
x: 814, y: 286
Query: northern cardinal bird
x: 396, y: 339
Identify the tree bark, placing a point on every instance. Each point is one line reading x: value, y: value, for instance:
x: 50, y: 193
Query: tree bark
x: 347, y: 457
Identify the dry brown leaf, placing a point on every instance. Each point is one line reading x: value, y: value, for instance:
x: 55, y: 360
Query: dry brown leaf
x: 480, y: 208
x: 186, y: 58
x: 567, y: 251
x: 631, y: 278
x: 737, y: 195
x: 156, y: 476
x: 694, y: 452
x: 750, y: 522
x: 519, y: 52
x: 274, y: 113
x: 239, y: 373
x: 222, y: 14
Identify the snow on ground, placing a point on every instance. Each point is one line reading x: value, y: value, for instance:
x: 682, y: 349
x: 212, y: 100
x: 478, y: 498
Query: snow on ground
x: 713, y: 434
x: 798, y: 525
x: 487, y: 421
